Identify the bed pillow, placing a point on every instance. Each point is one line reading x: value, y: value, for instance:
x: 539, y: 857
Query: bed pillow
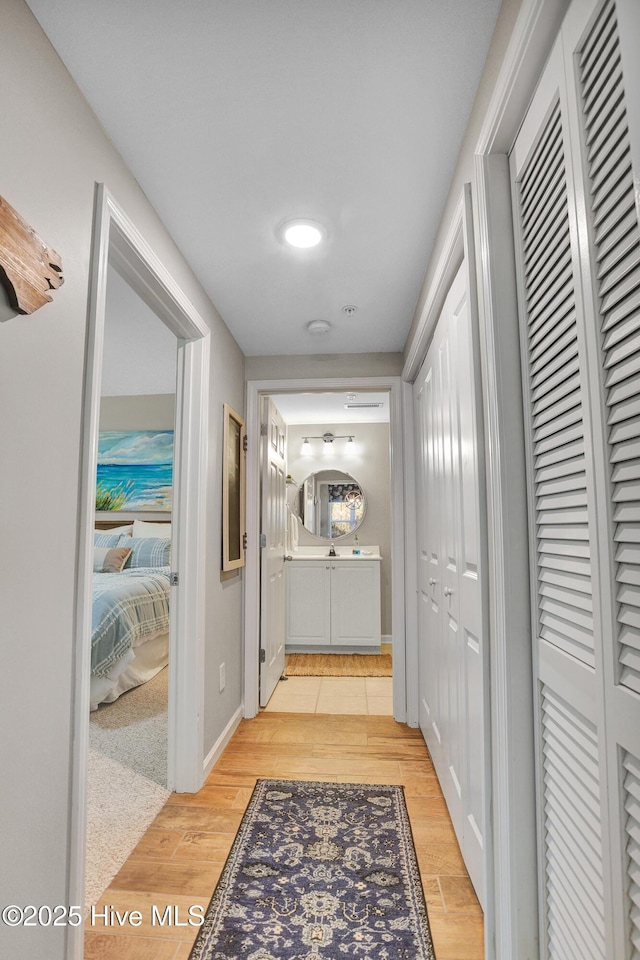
x: 106, y: 539
x: 126, y: 530
x: 142, y: 528
x: 147, y: 551
x: 110, y: 559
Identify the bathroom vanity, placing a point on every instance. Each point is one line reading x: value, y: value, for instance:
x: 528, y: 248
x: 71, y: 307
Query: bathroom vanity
x: 333, y: 603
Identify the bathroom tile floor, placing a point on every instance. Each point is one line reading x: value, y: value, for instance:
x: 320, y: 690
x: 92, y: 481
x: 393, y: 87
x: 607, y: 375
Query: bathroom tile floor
x: 368, y: 696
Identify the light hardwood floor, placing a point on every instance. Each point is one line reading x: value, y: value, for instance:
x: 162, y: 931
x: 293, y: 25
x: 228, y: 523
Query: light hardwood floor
x: 180, y: 858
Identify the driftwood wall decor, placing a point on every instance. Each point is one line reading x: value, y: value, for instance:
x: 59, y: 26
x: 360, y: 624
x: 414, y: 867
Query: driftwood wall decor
x: 28, y: 267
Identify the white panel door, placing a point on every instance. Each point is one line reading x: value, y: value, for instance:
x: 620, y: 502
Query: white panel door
x: 428, y: 481
x: 274, y: 518
x: 453, y: 670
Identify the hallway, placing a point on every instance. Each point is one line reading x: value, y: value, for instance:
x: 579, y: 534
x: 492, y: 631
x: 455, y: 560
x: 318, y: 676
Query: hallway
x: 180, y: 858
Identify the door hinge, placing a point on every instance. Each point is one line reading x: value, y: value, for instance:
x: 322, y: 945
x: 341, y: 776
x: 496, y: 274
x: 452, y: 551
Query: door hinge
x: 245, y: 443
x: 263, y: 654
x: 264, y: 429
x: 174, y: 579
x: 263, y: 541
x: 244, y: 541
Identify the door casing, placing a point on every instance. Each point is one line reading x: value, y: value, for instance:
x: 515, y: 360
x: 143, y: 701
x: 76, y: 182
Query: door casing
x: 116, y: 238
x: 256, y: 390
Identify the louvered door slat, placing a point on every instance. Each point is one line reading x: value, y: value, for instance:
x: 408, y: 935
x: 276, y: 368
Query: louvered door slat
x: 567, y: 565
x: 572, y: 834
x: 564, y: 609
x: 561, y: 349
x: 620, y: 432
x: 545, y: 197
x: 621, y: 331
x: 544, y: 276
x: 598, y: 100
x: 572, y: 483
x: 562, y: 500
x: 563, y: 579
x: 609, y: 200
x: 608, y: 161
x: 553, y: 419
x: 631, y: 788
x: 548, y: 157
x: 546, y: 385
x: 597, y: 39
x: 570, y: 548
x: 557, y: 471
x: 618, y: 231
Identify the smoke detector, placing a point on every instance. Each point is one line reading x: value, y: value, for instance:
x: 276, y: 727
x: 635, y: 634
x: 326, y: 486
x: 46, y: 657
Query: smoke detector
x: 317, y: 327
x: 349, y: 309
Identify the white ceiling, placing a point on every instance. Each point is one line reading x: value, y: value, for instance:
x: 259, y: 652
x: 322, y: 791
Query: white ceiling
x: 235, y: 115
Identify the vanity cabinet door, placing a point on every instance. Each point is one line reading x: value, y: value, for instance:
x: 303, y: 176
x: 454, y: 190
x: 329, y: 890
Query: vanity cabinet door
x: 355, y: 603
x: 308, y: 602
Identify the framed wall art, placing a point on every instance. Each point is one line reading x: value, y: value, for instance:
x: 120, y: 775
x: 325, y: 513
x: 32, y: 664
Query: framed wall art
x: 233, y: 491
x: 135, y: 470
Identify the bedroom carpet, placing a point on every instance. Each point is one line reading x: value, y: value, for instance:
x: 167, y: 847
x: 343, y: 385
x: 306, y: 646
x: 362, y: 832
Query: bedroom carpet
x: 127, y: 778
x: 319, y: 870
x: 339, y: 665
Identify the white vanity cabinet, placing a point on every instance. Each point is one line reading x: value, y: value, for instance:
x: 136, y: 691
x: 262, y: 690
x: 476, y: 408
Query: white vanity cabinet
x: 333, y: 602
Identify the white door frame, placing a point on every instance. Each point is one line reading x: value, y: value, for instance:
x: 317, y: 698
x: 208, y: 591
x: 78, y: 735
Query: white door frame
x: 116, y: 239
x: 513, y: 923
x: 402, y: 645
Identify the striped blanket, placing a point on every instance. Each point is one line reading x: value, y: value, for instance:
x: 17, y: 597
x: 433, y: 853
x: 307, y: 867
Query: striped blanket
x: 128, y: 607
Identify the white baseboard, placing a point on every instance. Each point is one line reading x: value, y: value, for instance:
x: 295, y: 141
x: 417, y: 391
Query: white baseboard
x: 387, y: 638
x: 216, y: 750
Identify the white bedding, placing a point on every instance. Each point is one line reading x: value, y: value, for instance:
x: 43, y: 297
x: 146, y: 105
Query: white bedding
x: 136, y: 666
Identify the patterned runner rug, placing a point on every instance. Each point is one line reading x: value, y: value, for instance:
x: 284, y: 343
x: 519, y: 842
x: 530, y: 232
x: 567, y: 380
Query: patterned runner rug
x: 319, y: 871
x: 339, y: 665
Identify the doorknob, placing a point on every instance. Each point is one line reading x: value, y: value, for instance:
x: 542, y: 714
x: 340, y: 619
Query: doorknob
x: 447, y: 591
x: 432, y: 582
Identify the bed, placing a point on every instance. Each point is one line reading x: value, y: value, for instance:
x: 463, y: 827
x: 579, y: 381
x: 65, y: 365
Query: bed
x: 130, y: 609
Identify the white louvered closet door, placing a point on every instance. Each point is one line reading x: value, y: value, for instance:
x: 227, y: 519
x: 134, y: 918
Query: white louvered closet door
x: 600, y: 78
x: 576, y: 225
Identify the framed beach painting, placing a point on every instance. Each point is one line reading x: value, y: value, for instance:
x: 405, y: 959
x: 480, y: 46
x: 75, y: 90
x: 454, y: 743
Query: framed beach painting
x: 135, y: 470
x: 233, y: 491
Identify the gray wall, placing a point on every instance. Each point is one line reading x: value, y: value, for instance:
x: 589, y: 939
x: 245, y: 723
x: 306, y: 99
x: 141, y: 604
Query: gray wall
x: 151, y: 411
x: 370, y: 465
x: 52, y: 152
x: 324, y: 365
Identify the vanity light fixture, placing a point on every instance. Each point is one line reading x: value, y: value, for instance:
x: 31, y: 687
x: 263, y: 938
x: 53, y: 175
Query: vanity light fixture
x: 327, y: 438
x: 302, y: 233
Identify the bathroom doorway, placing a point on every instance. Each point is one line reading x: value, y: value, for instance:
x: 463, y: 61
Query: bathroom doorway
x: 359, y: 456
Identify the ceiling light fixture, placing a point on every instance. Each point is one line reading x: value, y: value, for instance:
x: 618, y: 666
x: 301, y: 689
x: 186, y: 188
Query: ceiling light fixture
x: 317, y: 327
x: 302, y: 233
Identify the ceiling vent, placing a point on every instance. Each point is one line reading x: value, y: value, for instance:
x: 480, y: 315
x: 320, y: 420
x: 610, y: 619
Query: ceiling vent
x: 363, y: 406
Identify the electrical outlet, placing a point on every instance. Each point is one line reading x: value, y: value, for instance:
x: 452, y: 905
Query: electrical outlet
x: 222, y: 677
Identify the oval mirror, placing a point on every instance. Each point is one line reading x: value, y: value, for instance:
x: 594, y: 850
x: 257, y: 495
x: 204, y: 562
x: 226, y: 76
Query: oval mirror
x: 329, y: 504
